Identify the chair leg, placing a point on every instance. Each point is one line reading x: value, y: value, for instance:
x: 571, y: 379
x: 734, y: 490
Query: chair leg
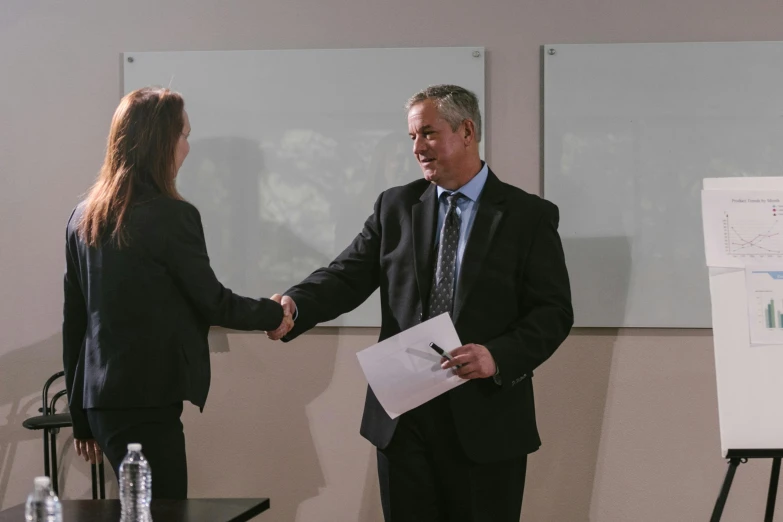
x: 46, y: 453
x: 102, y: 479
x: 53, y: 443
x: 94, y: 477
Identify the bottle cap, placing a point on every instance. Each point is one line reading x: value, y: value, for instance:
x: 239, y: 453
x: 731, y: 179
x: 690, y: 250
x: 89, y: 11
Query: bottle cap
x: 42, y: 482
x: 134, y: 446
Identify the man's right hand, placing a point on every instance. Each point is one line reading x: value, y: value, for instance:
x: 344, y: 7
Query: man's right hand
x: 289, y: 309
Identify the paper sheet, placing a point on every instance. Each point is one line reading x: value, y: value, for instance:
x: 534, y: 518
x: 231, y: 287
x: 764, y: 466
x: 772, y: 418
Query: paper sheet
x: 404, y: 372
x: 764, y: 287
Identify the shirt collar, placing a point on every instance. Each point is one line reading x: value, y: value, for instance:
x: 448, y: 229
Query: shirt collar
x: 472, y: 189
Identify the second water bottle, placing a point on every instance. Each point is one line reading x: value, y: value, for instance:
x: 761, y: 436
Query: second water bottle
x: 135, y: 486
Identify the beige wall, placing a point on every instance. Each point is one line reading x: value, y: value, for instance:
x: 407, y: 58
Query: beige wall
x: 628, y: 417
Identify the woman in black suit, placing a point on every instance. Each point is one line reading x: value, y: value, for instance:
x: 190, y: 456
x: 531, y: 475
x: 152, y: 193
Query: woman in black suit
x: 140, y: 297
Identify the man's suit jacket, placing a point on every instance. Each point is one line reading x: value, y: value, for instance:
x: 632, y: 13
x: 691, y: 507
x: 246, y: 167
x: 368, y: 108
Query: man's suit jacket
x: 136, y: 319
x: 512, y: 296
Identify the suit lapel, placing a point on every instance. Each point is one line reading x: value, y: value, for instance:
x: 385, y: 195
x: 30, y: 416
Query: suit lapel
x: 424, y: 220
x: 488, y: 215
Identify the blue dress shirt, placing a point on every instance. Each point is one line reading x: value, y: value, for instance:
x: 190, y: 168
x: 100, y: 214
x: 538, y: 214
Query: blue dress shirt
x: 466, y: 210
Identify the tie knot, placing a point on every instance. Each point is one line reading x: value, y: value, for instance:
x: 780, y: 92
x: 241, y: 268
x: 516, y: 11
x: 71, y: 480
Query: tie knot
x: 453, y: 199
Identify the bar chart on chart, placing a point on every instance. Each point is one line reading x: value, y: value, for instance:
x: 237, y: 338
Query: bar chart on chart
x: 765, y: 304
x: 743, y: 228
x: 767, y: 312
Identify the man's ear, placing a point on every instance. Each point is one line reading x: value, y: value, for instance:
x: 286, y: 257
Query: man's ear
x: 469, y: 130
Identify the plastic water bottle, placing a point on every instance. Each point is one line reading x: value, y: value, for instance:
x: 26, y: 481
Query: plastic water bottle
x: 42, y: 504
x: 135, y: 486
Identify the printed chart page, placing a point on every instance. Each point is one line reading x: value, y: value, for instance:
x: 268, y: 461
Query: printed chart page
x: 743, y: 228
x: 765, y: 304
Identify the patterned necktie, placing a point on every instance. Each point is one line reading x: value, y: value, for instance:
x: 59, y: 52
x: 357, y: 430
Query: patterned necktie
x: 442, y: 295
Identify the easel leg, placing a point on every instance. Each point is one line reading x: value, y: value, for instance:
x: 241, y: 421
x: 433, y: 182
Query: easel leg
x: 773, y: 489
x: 724, y: 490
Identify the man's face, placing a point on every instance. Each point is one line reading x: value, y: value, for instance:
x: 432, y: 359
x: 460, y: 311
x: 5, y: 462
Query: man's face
x: 440, y: 151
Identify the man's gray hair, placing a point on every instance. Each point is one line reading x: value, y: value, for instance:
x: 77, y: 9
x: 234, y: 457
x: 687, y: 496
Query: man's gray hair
x: 455, y: 104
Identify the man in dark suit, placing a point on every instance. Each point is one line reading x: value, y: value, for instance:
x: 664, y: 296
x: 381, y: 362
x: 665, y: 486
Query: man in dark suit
x: 458, y: 241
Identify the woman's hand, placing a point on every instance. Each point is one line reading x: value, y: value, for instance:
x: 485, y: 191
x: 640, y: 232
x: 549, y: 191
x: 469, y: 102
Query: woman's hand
x: 289, y: 309
x: 88, y: 449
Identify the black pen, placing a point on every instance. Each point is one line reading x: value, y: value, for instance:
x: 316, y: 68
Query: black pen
x: 443, y: 353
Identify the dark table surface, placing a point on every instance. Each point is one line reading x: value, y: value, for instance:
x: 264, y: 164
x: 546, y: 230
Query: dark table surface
x: 191, y: 510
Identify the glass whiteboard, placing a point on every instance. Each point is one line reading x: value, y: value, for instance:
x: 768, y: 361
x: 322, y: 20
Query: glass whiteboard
x: 290, y: 149
x: 630, y: 131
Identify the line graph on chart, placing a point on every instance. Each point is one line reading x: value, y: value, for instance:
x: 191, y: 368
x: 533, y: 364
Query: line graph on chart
x: 753, y: 232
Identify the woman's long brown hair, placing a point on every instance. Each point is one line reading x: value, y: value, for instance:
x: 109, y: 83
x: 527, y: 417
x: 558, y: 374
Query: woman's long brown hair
x: 141, y: 150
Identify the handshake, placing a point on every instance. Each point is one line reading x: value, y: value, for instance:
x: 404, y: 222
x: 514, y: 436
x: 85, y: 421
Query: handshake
x: 289, y: 310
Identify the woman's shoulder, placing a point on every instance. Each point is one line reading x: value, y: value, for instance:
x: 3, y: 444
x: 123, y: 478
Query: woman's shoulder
x: 166, y: 206
x: 75, y: 218
x: 164, y: 216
